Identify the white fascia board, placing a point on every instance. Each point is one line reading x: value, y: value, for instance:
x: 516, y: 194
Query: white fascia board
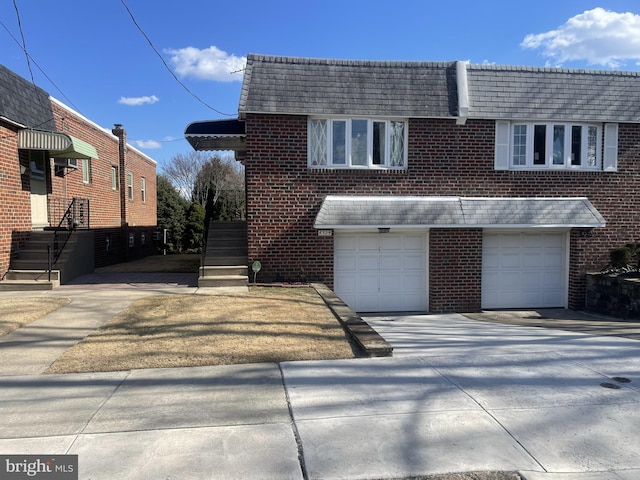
x: 484, y: 226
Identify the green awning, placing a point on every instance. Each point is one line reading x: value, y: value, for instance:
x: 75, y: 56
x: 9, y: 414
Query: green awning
x: 60, y: 145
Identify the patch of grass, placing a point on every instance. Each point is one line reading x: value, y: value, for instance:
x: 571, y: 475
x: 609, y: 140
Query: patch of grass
x: 265, y: 325
x: 17, y: 312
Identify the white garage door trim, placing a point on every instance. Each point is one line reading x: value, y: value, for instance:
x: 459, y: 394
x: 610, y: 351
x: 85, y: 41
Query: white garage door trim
x: 525, y: 269
x: 381, y: 272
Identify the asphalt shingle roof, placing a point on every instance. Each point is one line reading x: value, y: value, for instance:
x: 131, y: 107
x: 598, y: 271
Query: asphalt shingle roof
x: 553, y: 94
x: 392, y: 211
x: 348, y: 87
x: 24, y: 103
x: 308, y: 86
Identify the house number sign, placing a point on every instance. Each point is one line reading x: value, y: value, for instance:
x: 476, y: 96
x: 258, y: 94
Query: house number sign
x: 325, y: 233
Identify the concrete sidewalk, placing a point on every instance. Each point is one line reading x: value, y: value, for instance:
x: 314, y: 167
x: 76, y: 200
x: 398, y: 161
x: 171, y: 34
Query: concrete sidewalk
x: 459, y: 395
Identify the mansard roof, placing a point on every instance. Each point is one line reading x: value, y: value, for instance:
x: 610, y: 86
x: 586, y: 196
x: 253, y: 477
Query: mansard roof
x: 308, y: 86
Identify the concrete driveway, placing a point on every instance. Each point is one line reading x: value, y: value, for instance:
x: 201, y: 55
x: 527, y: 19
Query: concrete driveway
x: 463, y: 395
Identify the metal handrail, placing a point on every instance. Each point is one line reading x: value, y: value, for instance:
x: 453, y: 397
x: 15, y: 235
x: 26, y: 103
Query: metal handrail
x: 74, y: 217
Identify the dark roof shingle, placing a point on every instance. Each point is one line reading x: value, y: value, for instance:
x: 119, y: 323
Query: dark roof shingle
x: 24, y: 103
x: 308, y: 86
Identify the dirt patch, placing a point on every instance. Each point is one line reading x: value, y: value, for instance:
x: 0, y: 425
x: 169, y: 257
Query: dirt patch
x: 179, y: 263
x: 18, y: 312
x: 269, y: 324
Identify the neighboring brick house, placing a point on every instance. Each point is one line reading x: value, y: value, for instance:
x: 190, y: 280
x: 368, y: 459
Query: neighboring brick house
x: 50, y: 155
x: 435, y: 186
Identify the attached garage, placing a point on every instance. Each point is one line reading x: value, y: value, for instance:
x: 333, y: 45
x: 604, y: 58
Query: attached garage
x: 381, y: 250
x: 524, y: 269
x: 381, y: 272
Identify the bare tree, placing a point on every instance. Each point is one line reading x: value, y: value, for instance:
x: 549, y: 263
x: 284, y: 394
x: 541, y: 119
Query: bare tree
x: 203, y: 178
x: 183, y: 171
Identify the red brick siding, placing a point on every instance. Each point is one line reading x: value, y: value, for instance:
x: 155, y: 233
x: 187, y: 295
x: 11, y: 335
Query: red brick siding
x: 15, y: 201
x: 455, y: 269
x: 104, y: 201
x: 443, y: 159
x: 15, y: 220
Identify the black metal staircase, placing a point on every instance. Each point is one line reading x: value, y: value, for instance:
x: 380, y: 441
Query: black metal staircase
x: 34, y: 267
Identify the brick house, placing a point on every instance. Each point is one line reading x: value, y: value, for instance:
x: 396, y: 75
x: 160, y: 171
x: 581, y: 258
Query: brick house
x: 52, y: 157
x: 421, y: 186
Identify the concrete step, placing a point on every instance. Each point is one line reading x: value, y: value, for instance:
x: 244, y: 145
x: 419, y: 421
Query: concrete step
x: 40, y: 255
x: 214, y: 271
x: 226, y: 261
x: 225, y: 241
x: 224, y: 281
x: 34, y: 275
x: 231, y: 251
x: 25, y: 285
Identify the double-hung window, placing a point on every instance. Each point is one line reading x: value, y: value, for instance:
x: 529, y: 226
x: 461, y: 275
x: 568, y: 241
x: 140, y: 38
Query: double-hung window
x: 360, y: 143
x: 554, y: 145
x: 130, y: 185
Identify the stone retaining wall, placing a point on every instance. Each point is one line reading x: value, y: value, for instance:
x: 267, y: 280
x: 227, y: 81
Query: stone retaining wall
x: 617, y: 296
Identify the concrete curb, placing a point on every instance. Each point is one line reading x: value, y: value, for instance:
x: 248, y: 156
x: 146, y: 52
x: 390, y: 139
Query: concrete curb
x: 366, y: 337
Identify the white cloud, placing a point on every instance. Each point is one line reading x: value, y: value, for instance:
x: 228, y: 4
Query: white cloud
x: 207, y: 64
x: 599, y: 36
x: 135, y: 101
x: 150, y: 144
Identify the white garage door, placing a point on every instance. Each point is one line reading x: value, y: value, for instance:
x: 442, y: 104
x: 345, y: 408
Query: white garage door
x: 381, y: 272
x: 524, y: 270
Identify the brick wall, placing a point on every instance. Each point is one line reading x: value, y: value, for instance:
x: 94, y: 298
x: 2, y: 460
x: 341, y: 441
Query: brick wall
x: 107, y: 204
x: 284, y: 195
x: 15, y: 221
x: 15, y: 202
x: 455, y: 269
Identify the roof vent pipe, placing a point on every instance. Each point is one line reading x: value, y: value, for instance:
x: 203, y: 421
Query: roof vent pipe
x: 463, y: 92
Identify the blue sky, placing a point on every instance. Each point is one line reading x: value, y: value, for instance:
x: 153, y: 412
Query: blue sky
x: 93, y: 57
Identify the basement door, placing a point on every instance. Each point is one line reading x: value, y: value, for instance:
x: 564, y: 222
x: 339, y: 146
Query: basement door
x: 381, y: 272
x: 524, y: 270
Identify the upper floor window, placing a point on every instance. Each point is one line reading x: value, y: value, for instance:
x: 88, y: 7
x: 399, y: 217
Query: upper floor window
x: 539, y: 146
x: 86, y: 170
x: 357, y: 143
x: 114, y: 178
x: 143, y: 189
x: 130, y: 185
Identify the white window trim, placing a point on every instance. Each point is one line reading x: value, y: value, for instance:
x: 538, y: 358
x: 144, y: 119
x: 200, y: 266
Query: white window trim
x: 115, y: 181
x: 130, y: 186
x: 143, y: 189
x: 606, y: 147
x: 370, y: 165
x: 86, y: 170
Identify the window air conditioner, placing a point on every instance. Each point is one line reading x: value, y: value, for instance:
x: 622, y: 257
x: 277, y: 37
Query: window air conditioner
x: 66, y: 162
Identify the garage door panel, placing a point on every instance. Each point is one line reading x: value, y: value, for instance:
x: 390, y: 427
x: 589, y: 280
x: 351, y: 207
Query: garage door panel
x: 553, y: 259
x: 553, y: 280
x: 414, y: 262
x: 510, y: 258
x: 391, y: 283
x: 524, y: 270
x: 391, y: 242
x: 391, y: 262
x: 367, y: 243
x: 532, y: 259
x: 367, y: 263
x: 414, y: 242
x: 531, y: 281
x: 381, y: 272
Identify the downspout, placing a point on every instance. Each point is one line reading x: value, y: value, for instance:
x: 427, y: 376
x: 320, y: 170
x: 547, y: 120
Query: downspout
x: 463, y: 93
